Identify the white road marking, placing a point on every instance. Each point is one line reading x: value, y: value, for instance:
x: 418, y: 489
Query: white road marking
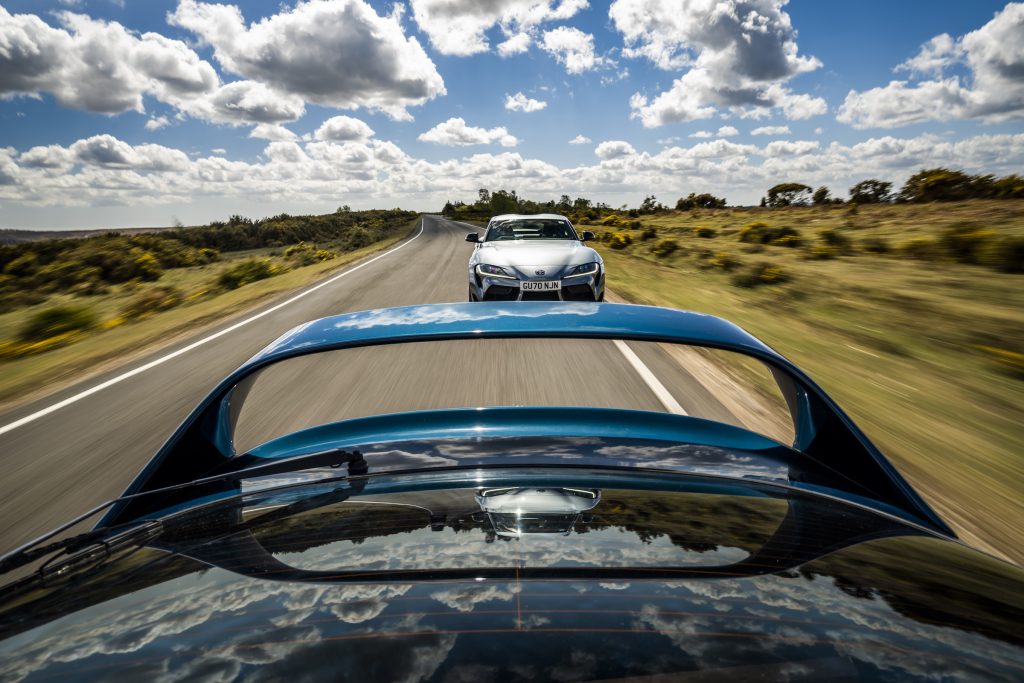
x: 663, y: 394
x: 163, y: 359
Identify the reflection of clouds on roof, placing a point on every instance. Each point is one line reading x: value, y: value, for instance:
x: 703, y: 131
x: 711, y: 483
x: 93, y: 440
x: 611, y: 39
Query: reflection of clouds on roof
x: 426, y: 549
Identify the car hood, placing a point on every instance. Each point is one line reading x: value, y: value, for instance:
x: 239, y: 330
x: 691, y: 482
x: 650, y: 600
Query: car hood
x: 404, y: 579
x: 537, y: 253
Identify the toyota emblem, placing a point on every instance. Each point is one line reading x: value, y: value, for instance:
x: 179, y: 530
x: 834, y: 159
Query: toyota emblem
x: 540, y: 272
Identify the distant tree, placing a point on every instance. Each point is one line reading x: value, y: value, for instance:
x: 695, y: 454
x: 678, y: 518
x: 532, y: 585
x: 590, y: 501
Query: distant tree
x: 789, y: 194
x: 704, y: 200
x: 564, y: 203
x: 581, y: 204
x: 1009, y: 187
x: 764, y: 202
x: 944, y: 185
x: 502, y: 201
x: 449, y: 209
x: 871, y: 191
x: 344, y: 208
x: 821, y: 196
x: 484, y: 196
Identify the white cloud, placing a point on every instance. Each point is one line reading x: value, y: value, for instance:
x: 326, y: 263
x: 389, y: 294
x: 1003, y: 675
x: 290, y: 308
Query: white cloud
x: 455, y: 132
x: 157, y: 122
x: 580, y: 140
x: 343, y: 128
x: 671, y: 140
x: 49, y: 156
x: 994, y: 55
x: 778, y: 148
x: 517, y: 44
x: 340, y: 54
x: 614, y: 149
x: 458, y: 27
x: 936, y: 55
x: 723, y: 132
x: 272, y: 131
x: 106, y: 151
x: 96, y: 65
x: 520, y: 102
x: 243, y: 102
x: 572, y: 48
x: 771, y: 130
x: 737, y: 54
x: 300, y: 175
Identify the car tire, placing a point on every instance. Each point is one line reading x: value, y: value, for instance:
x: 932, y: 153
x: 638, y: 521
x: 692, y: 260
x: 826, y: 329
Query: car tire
x: 472, y: 297
x: 601, y: 298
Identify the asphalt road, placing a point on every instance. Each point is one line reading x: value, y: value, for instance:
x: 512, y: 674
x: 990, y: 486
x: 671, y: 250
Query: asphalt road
x: 63, y: 463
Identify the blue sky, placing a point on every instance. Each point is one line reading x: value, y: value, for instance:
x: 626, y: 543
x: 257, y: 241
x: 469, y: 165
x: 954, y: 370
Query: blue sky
x: 117, y: 113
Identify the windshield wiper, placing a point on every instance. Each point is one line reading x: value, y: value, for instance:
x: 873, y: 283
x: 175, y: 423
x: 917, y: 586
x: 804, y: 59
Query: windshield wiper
x: 32, y: 550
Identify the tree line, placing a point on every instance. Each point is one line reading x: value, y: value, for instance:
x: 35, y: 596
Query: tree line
x: 927, y: 185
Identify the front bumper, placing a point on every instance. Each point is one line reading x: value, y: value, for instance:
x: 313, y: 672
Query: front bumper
x: 576, y: 288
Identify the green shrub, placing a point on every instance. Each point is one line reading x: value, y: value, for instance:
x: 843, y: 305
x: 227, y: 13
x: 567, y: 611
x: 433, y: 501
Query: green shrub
x: 359, y: 237
x: 1005, y: 255
x: 762, y: 233
x: 611, y: 220
x: 54, y: 322
x: 875, y: 245
x: 23, y: 266
x: 964, y: 243
x: 665, y: 248
x: 822, y: 252
x: 717, y: 259
x: 923, y: 248
x: 705, y: 232
x: 648, y: 233
x: 837, y: 240
x: 1007, y: 361
x: 763, y: 273
x: 246, y: 272
x: 151, y: 301
x: 620, y: 240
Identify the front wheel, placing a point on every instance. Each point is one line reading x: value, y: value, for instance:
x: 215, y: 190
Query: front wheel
x: 472, y: 297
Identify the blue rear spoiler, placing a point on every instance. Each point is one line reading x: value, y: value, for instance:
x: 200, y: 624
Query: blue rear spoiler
x: 203, y: 443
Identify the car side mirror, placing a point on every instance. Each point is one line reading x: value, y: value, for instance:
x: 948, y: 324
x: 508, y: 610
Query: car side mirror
x: 472, y: 237
x: 587, y: 235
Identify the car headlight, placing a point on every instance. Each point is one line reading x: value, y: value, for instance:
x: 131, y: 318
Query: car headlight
x: 488, y: 270
x: 585, y: 269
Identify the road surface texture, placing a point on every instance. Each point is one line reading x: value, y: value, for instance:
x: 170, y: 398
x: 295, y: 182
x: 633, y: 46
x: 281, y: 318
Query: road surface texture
x: 62, y: 463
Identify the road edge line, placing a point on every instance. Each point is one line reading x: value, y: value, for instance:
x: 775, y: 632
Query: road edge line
x: 649, y: 378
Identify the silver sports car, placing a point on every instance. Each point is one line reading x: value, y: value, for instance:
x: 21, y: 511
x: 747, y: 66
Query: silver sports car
x: 534, y: 258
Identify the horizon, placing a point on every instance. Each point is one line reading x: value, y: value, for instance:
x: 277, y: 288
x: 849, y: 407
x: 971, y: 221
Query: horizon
x: 119, y: 114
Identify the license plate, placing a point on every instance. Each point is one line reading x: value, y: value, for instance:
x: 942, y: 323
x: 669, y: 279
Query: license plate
x: 541, y: 285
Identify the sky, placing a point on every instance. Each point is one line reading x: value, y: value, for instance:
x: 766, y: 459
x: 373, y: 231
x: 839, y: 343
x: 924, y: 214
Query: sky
x: 122, y: 113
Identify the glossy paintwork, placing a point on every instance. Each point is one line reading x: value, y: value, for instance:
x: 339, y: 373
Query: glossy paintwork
x: 733, y: 581
x: 204, y: 443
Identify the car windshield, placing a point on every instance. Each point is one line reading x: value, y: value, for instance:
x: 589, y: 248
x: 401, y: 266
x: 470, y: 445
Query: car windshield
x: 531, y: 229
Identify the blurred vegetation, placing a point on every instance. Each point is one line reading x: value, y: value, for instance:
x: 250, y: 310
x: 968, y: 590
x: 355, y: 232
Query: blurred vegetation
x: 910, y: 314
x: 53, y: 291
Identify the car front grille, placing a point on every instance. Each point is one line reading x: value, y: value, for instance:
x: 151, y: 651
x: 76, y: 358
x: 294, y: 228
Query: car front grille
x: 499, y: 293
x: 541, y: 296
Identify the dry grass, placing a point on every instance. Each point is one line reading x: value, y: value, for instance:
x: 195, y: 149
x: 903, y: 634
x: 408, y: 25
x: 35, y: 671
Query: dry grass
x: 204, y: 305
x: 921, y: 354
